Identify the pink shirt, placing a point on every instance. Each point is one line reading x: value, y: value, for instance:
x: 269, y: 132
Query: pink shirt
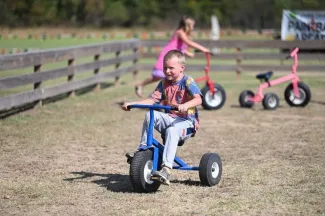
x: 170, y: 93
x: 174, y: 43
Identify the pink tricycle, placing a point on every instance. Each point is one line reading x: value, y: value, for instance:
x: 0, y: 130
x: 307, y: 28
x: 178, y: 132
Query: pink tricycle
x: 297, y: 94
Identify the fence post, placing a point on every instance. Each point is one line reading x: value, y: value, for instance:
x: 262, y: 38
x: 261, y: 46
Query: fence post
x: 239, y: 59
x: 135, y: 61
x: 96, y: 71
x: 117, y: 54
x: 70, y: 77
x: 37, y: 85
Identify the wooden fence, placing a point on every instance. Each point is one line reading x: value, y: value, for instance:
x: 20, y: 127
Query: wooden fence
x: 129, y: 51
x: 38, y: 59
x: 238, y: 55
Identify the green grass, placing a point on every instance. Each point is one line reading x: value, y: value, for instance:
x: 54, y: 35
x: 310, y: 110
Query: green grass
x: 65, y: 42
x: 48, y: 43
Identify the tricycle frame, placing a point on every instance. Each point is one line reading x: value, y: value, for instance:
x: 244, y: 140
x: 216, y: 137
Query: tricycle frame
x: 157, y: 147
x: 293, y: 77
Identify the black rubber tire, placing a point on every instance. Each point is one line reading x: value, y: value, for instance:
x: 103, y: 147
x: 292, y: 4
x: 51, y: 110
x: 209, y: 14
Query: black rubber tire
x: 267, y: 101
x: 209, y: 176
x: 219, y: 90
x: 289, y: 97
x: 243, y: 102
x: 137, y: 177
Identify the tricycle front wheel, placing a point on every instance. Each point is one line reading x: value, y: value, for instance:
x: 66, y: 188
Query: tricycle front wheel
x: 304, y: 95
x: 140, y: 173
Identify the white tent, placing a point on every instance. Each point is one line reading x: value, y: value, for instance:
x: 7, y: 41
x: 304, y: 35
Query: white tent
x: 215, y: 32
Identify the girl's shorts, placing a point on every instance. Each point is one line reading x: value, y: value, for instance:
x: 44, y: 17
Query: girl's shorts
x: 158, y: 73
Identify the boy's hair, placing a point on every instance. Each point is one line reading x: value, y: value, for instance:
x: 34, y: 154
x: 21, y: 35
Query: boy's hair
x: 172, y: 53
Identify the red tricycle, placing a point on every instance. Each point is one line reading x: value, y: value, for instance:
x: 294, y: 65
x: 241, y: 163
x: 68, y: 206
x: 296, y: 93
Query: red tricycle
x: 214, y: 95
x: 297, y: 93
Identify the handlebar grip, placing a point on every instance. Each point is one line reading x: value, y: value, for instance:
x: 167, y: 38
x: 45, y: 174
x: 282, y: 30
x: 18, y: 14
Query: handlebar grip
x: 198, y: 51
x: 128, y: 107
x: 174, y: 108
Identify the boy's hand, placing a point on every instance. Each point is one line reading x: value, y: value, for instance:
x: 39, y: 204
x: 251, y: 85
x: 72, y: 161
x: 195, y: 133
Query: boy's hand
x: 125, y: 106
x: 183, y: 107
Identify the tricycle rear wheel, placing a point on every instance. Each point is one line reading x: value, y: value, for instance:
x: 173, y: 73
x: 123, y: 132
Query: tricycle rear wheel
x: 215, y: 101
x: 270, y: 101
x: 244, y: 99
x: 210, y: 169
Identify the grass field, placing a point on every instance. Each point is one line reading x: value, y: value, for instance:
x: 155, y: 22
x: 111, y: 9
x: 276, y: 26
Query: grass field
x: 67, y: 158
x: 47, y: 44
x: 119, y: 34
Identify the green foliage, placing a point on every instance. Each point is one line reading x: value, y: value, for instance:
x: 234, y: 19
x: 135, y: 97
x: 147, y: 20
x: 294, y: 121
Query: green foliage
x: 116, y: 13
x: 257, y: 14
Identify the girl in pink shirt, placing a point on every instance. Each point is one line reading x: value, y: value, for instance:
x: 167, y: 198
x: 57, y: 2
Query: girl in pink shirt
x: 179, y: 41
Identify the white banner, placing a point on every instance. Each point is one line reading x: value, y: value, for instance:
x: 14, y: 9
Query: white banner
x: 303, y: 25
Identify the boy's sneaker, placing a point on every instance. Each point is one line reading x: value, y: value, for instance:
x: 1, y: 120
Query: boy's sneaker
x: 129, y: 156
x: 162, y: 176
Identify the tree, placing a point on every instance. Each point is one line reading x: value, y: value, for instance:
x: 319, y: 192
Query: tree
x: 244, y: 14
x: 146, y: 10
x: 94, y: 11
x: 116, y: 14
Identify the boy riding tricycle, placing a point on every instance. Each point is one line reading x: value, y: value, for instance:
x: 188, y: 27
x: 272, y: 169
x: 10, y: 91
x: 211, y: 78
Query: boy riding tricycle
x: 153, y: 162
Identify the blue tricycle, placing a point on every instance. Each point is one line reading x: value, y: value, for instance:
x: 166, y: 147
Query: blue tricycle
x: 148, y: 159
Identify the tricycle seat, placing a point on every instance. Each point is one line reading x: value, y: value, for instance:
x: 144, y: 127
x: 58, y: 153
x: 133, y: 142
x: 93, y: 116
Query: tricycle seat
x: 181, y: 142
x: 264, y: 76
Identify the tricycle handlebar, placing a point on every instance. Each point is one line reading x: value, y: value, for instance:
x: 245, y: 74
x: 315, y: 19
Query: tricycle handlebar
x: 198, y: 51
x: 156, y: 106
x: 293, y: 53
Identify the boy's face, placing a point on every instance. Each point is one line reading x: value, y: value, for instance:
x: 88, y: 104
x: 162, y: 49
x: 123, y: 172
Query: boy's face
x: 173, y: 70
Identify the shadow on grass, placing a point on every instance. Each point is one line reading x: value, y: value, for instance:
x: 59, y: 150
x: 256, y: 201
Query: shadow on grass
x: 318, y: 102
x: 117, y: 182
x: 253, y: 108
x: 113, y: 182
x: 237, y: 106
x: 7, y: 113
x: 187, y: 182
x: 120, y: 103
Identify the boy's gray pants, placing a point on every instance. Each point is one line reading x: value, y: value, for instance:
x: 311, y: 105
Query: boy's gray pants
x: 174, y: 130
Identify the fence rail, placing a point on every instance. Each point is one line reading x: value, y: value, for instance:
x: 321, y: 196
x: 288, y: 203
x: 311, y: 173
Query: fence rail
x: 39, y: 58
x: 271, y: 50
x: 130, y: 51
x: 270, y: 44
